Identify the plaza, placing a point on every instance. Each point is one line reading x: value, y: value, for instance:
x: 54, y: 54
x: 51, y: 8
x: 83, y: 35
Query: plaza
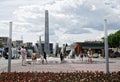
x: 69, y: 65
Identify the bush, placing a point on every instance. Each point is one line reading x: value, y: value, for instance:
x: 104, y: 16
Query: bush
x: 78, y: 76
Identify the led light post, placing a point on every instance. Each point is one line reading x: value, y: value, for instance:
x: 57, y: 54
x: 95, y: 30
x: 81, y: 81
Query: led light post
x: 9, y: 48
x: 106, y: 46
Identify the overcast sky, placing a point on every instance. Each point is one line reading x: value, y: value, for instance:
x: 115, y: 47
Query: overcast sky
x: 69, y: 20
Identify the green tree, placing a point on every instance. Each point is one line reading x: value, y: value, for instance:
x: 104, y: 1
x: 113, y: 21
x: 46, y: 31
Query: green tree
x: 114, y: 40
x: 1, y: 45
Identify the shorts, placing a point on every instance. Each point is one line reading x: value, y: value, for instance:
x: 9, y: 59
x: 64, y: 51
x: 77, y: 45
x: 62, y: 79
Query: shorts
x: 23, y: 57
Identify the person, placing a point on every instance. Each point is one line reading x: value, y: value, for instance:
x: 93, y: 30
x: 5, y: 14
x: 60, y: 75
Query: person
x: 34, y: 58
x: 44, y: 55
x: 89, y: 56
x: 42, y: 58
x: 23, y: 54
x: 61, y: 57
x: 81, y: 56
x: 0, y: 54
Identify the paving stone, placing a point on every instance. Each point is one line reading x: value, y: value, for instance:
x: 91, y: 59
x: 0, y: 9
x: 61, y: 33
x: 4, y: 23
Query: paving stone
x: 70, y: 65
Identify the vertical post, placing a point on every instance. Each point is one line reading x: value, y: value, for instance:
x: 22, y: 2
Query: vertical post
x: 46, y: 47
x: 106, y: 46
x: 56, y: 49
x: 10, y: 46
x: 21, y: 40
x: 40, y: 46
x: 22, y: 37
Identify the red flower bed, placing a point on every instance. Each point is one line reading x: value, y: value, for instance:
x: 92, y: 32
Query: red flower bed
x: 78, y: 76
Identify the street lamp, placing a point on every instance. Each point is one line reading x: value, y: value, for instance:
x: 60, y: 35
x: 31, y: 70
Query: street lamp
x: 106, y: 46
x: 10, y: 45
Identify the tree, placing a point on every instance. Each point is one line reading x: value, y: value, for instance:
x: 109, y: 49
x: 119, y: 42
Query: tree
x: 1, y: 45
x: 114, y: 40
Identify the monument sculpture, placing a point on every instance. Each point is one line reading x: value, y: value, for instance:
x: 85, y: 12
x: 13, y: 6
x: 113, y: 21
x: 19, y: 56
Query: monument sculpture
x: 46, y: 47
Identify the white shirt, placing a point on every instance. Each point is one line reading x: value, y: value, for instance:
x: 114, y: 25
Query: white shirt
x: 23, y: 51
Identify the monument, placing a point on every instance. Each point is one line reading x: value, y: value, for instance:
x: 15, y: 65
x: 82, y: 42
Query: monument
x: 40, y: 46
x: 46, y: 47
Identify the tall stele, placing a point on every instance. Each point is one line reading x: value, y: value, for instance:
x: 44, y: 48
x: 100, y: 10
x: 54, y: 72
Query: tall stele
x: 46, y: 47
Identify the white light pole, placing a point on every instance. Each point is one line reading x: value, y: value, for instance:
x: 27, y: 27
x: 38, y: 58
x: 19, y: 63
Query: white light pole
x: 10, y: 46
x: 106, y: 46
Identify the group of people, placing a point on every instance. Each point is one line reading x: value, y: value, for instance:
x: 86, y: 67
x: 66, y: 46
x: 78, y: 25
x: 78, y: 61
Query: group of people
x: 44, y: 57
x: 89, y: 55
x: 23, y: 53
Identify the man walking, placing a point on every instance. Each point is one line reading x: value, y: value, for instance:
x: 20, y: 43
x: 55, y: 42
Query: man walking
x: 23, y: 54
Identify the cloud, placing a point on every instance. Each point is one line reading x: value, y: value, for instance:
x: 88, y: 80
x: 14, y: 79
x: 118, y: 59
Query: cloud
x: 77, y: 31
x: 68, y: 19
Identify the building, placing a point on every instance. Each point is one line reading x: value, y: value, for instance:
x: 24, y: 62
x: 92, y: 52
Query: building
x: 84, y: 47
x: 50, y: 47
x: 4, y: 41
x: 28, y: 44
x: 17, y: 43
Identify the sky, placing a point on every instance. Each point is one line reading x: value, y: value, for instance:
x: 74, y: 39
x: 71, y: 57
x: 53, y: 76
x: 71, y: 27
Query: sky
x: 69, y: 20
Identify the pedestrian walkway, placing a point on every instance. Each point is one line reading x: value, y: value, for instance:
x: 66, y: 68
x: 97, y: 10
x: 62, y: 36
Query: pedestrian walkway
x: 69, y: 65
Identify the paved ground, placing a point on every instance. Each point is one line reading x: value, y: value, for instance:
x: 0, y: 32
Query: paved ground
x: 4, y: 62
x: 69, y: 65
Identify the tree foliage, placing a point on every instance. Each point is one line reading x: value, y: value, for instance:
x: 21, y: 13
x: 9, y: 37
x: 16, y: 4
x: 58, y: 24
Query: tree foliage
x: 1, y: 45
x: 114, y: 40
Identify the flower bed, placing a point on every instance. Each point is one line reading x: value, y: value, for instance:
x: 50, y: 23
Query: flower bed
x: 78, y: 76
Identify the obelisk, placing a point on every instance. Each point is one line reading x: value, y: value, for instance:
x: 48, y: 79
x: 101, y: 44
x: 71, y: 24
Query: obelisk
x: 40, y: 46
x: 46, y: 45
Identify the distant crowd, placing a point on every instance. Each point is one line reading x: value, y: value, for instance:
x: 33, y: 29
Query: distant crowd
x: 23, y: 54
x: 43, y: 57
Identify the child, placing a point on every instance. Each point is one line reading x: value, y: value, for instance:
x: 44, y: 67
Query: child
x: 89, y: 57
x: 42, y: 58
x: 34, y: 57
